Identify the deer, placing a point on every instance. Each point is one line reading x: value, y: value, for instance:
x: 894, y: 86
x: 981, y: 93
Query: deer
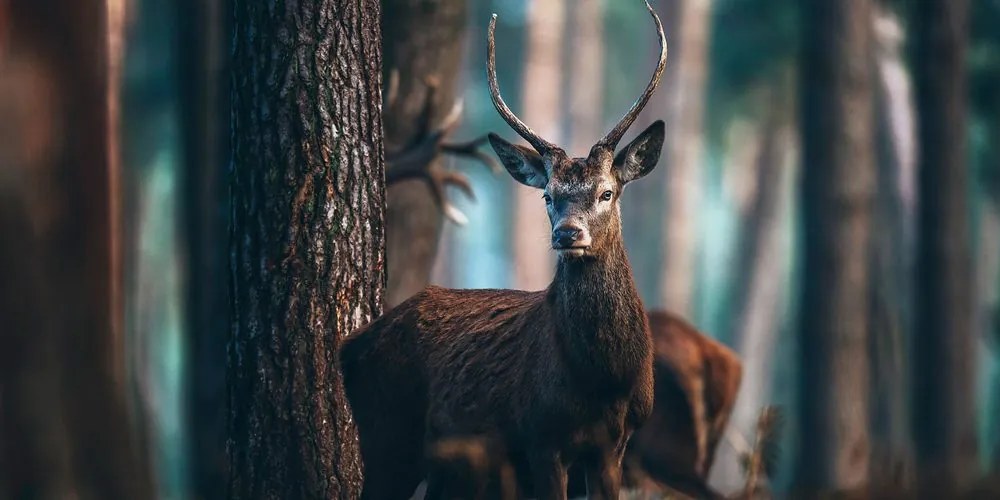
x: 562, y: 375
x: 696, y: 384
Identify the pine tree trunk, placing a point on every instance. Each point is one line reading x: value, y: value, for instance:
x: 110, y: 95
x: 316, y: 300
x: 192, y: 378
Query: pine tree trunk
x: 423, y: 40
x: 541, y: 110
x: 58, y: 146
x: 765, y: 263
x: 838, y: 183
x: 203, y: 52
x: 683, y: 155
x: 943, y: 369
x: 586, y: 70
x: 307, y: 240
x: 891, y: 257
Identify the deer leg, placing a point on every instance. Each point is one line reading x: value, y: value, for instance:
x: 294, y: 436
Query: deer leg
x: 549, y: 474
x: 604, y: 473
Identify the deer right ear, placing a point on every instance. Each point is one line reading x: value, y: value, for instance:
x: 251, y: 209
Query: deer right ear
x: 525, y: 166
x: 641, y: 155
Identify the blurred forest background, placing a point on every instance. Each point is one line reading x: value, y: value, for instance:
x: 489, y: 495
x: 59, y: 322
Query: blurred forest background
x: 721, y: 232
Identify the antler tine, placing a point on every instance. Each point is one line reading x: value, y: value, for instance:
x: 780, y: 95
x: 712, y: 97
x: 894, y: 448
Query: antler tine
x: 611, y: 140
x: 540, y: 145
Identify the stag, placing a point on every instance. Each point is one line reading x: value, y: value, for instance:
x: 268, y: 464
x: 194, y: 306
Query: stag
x: 561, y: 376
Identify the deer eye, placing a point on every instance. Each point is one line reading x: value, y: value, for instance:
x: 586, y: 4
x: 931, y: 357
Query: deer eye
x: 606, y: 196
x: 547, y: 198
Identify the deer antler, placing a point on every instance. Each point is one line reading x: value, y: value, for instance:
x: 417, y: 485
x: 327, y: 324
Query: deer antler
x: 417, y: 160
x: 610, y: 141
x: 540, y: 145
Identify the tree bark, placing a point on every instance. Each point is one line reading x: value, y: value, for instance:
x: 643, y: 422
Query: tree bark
x: 204, y: 106
x: 61, y: 72
x: 943, y: 383
x: 586, y: 70
x: 683, y: 155
x: 760, y: 298
x: 541, y: 110
x: 307, y: 254
x: 892, y: 257
x: 418, y: 53
x: 838, y: 184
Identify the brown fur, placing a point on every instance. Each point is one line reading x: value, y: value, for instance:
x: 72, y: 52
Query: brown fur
x: 697, y: 380
x: 560, y: 374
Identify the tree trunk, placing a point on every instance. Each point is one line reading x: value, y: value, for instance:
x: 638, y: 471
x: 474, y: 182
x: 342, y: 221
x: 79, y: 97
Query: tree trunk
x: 943, y: 383
x: 891, y: 257
x: 683, y: 155
x: 204, y: 92
x: 542, y: 86
x: 61, y: 91
x: 765, y: 263
x: 586, y: 70
x: 838, y: 183
x: 307, y: 240
x: 418, y: 53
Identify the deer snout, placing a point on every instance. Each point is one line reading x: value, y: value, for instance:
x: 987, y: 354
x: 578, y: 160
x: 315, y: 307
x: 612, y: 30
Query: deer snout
x: 567, y: 236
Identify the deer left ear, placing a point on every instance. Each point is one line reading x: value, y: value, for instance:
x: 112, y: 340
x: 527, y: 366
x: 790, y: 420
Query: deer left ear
x: 640, y: 156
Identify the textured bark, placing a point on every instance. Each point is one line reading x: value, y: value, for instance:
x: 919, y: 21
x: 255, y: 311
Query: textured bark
x: 838, y: 183
x: 541, y: 110
x: 70, y: 321
x: 307, y: 254
x: 417, y: 53
x: 204, y: 56
x: 683, y: 154
x: 892, y: 257
x: 943, y: 383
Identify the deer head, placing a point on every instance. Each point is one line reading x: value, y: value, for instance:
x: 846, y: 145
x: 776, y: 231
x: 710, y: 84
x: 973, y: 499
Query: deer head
x: 581, y: 194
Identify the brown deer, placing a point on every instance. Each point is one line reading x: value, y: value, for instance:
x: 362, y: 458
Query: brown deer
x: 696, y: 384
x: 697, y: 379
x: 563, y: 375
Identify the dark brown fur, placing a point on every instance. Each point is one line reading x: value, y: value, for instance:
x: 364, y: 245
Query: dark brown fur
x: 561, y: 374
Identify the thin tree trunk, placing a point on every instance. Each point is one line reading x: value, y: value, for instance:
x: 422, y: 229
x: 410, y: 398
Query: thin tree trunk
x: 423, y: 41
x: 586, y: 70
x: 683, y: 155
x: 67, y: 140
x: 542, y: 85
x: 204, y: 91
x: 307, y: 240
x: 943, y: 369
x: 758, y: 308
x: 891, y: 258
x: 838, y: 183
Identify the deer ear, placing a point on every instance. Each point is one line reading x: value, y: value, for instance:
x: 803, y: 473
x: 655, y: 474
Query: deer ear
x: 641, y: 155
x: 524, y: 165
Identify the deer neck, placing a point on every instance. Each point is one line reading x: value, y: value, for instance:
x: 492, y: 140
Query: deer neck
x: 600, y: 322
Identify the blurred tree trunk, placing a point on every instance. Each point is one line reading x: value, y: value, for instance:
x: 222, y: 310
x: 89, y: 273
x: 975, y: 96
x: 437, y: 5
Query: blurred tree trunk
x: 541, y: 109
x: 765, y: 266
x: 685, y: 88
x: 943, y: 383
x: 203, y: 50
x: 66, y: 433
x: 419, y: 54
x: 891, y: 257
x: 307, y: 244
x: 838, y: 187
x: 586, y: 76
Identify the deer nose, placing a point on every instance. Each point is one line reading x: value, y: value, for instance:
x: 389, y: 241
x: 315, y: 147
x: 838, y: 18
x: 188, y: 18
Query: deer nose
x: 566, y: 236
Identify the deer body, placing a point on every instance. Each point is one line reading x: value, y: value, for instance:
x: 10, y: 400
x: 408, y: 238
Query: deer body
x: 558, y: 376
